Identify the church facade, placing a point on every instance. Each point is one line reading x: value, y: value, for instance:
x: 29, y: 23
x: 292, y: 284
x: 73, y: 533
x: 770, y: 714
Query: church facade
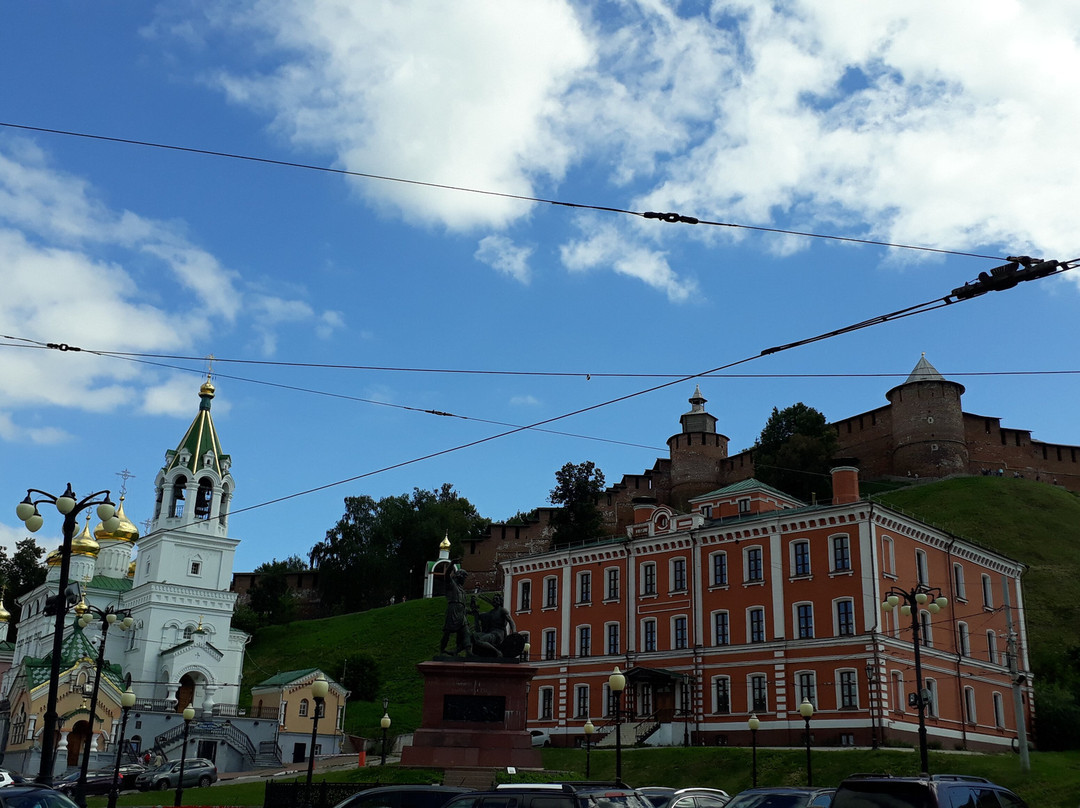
x: 180, y: 648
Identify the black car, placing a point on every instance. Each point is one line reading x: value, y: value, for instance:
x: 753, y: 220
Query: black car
x: 553, y: 795
x: 936, y: 791
x: 783, y: 797
x: 97, y: 782
x: 662, y: 797
x: 402, y: 797
x: 31, y: 795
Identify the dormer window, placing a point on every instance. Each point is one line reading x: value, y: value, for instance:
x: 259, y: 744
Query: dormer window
x: 744, y: 506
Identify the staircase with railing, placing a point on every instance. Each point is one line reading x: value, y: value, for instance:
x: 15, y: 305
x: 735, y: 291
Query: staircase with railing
x: 174, y: 736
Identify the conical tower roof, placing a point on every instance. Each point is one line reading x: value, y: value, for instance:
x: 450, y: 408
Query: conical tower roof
x: 200, y: 441
x: 924, y: 372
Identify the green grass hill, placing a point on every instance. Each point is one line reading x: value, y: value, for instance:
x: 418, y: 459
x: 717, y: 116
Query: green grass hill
x: 1032, y: 522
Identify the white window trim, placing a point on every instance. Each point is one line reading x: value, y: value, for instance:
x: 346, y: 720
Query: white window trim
x: 795, y: 620
x: 836, y: 616
x: 712, y: 566
x: 747, y: 580
x: 793, y: 572
x: 840, y: 689
x: 833, y: 569
x: 712, y: 624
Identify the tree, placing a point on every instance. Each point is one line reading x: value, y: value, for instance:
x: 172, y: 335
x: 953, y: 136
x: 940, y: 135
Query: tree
x: 378, y: 550
x: 577, y: 487
x: 270, y: 597
x: 18, y: 575
x: 794, y: 452
x: 360, y: 676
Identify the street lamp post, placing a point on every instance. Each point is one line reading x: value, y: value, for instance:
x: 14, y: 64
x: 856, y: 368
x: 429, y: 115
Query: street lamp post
x: 753, y: 723
x: 319, y: 688
x: 69, y: 507
x: 589, y: 730
x: 617, y: 683
x: 384, y: 722
x: 108, y: 616
x: 921, y: 596
x: 127, y: 701
x: 189, y: 714
x: 806, y: 710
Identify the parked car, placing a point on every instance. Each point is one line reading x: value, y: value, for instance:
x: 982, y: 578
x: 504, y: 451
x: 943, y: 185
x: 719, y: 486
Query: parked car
x: 129, y: 772
x: 32, y: 795
x: 402, y: 797
x: 936, y: 791
x: 662, y: 797
x: 97, y: 782
x: 540, y: 737
x: 783, y: 797
x: 552, y: 795
x: 8, y: 777
x: 197, y: 772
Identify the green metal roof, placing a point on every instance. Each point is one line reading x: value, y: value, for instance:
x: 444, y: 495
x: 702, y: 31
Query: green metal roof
x: 743, y: 486
x: 75, y: 647
x: 111, y: 584
x: 200, y: 438
x: 286, y: 677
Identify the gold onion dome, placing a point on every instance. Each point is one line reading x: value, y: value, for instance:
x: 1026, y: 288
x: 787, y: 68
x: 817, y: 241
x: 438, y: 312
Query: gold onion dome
x: 131, y: 570
x: 126, y: 531
x: 5, y: 615
x: 445, y: 543
x: 85, y: 544
x: 54, y: 558
x: 207, y: 388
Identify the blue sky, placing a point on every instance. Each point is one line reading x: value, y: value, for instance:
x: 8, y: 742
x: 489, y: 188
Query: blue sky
x: 951, y: 127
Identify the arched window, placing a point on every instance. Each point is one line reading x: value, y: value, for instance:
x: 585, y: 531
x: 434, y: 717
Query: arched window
x: 302, y: 711
x: 203, y: 497
x: 188, y: 631
x: 177, y: 507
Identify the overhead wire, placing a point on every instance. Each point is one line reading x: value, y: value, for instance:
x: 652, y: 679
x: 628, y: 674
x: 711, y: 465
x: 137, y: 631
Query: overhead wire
x: 588, y: 375
x: 652, y: 215
x: 905, y: 312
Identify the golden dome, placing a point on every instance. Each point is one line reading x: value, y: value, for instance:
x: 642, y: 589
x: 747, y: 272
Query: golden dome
x: 131, y: 570
x: 207, y: 389
x: 445, y: 543
x: 5, y: 615
x: 125, y: 532
x: 54, y: 558
x: 85, y: 544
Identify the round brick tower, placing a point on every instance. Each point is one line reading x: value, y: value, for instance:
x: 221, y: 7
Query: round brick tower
x: 928, y: 425
x: 695, y: 453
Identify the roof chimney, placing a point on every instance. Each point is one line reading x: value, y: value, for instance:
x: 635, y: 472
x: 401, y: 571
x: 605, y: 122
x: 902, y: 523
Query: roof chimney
x: 643, y: 508
x: 845, y: 485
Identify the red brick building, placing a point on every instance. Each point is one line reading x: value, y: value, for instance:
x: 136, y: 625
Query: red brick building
x: 751, y: 602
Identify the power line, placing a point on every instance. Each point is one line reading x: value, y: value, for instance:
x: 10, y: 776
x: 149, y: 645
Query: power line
x: 25, y: 342
x: 676, y: 218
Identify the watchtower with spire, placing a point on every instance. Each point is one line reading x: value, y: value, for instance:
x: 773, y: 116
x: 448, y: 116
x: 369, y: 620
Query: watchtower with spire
x: 928, y: 424
x: 696, y: 453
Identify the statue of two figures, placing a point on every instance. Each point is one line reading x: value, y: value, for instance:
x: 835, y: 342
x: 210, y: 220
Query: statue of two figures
x: 492, y: 635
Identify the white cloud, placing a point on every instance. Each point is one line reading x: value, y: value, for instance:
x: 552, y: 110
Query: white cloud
x: 607, y: 246
x: 525, y: 401
x: 60, y: 288
x: 500, y: 253
x: 462, y: 94
x: 852, y: 117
